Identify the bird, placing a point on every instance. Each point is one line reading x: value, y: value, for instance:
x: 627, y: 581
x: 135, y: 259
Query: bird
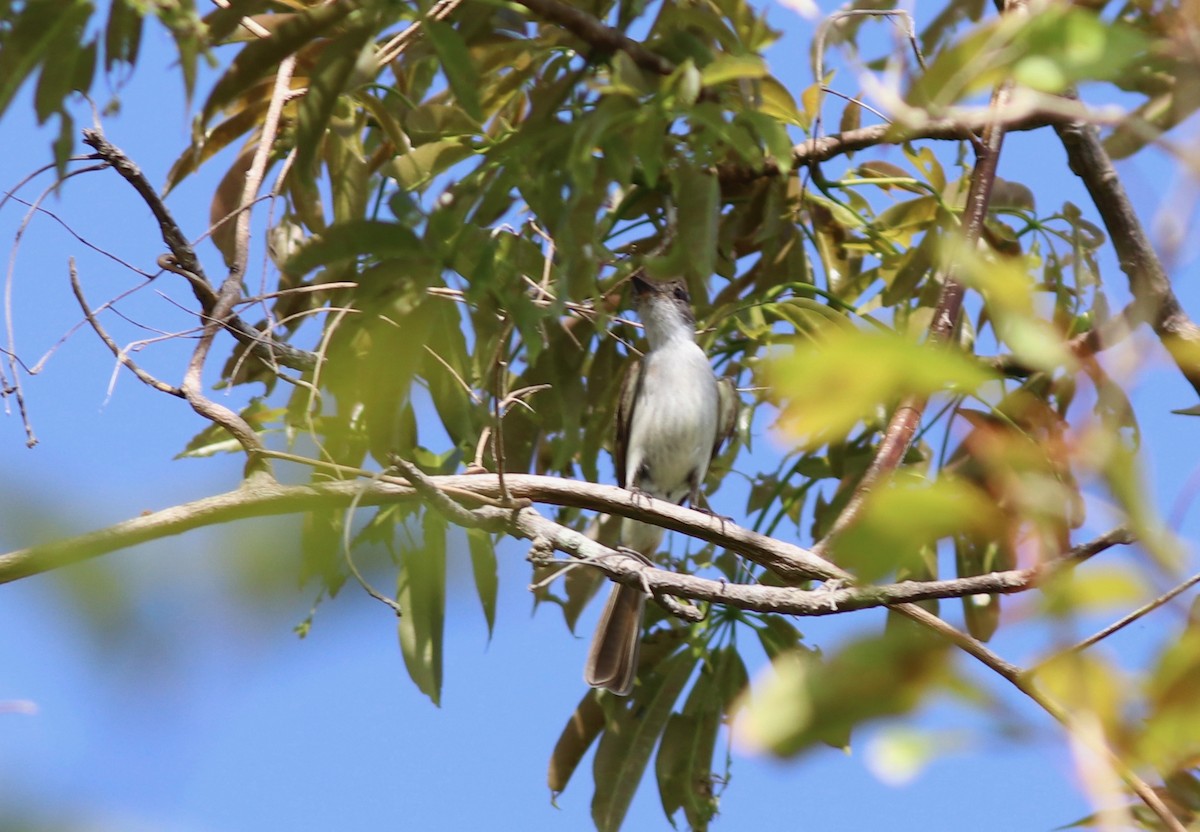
x: 673, y: 415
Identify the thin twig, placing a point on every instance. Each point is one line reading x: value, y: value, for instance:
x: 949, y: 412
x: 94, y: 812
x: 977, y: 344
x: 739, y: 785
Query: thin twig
x: 1120, y: 623
x: 437, y: 498
x: 250, y: 25
x: 120, y: 354
x: 499, y: 384
x: 391, y: 50
x: 347, y: 546
x: 183, y: 260
x: 230, y: 290
x: 453, y: 372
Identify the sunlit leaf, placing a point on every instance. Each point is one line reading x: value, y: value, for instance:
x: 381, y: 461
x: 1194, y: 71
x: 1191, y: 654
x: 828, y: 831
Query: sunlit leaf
x: 732, y: 68
x: 804, y: 701
x: 828, y: 386
x: 904, y: 516
x: 1049, y: 51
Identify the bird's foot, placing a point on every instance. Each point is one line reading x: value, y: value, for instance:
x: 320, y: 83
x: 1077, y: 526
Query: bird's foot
x: 638, y: 495
x: 720, y: 518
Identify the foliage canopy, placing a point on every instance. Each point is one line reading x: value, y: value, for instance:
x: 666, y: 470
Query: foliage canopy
x: 458, y: 192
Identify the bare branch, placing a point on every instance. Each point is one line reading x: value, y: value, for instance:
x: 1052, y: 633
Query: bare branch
x: 231, y: 287
x: 604, y: 38
x: 902, y: 427
x: 1121, y: 623
x: 792, y: 563
x: 183, y: 261
x: 1154, y: 299
x: 119, y: 353
x: 257, y: 499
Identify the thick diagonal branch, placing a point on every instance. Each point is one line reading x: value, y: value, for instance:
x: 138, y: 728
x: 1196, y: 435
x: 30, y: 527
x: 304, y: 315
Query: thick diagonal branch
x: 902, y: 427
x: 596, y: 34
x: 1154, y: 299
x: 267, y: 498
x: 793, y: 564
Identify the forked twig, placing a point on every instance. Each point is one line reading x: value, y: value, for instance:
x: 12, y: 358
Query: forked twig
x: 119, y: 353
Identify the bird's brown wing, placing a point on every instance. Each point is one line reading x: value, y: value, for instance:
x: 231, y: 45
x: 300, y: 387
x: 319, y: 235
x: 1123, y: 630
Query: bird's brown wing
x: 630, y: 385
x: 728, y: 408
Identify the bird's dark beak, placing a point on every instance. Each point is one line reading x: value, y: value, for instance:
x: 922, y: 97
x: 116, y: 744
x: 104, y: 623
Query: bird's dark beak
x: 641, y: 286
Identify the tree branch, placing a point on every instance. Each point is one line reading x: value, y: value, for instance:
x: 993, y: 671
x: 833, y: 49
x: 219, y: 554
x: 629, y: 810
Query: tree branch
x: 1154, y: 299
x: 119, y: 353
x: 231, y: 287
x: 183, y: 261
x: 791, y: 563
x: 270, y: 498
x: 605, y: 38
x: 902, y: 427
x: 1120, y: 623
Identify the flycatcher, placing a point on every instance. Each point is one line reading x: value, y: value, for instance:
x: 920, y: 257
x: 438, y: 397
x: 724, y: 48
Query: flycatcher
x: 672, y: 417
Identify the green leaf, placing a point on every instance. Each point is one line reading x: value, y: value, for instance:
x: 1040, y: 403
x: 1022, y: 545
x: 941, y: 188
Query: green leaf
x: 1057, y: 48
x: 418, y: 166
x: 684, y: 763
x: 446, y: 368
x: 205, y: 146
x: 348, y: 240
x: 483, y: 567
x: 328, y: 80
x: 778, y: 636
x: 122, y: 34
x: 777, y: 102
x: 31, y: 38
x: 576, y: 738
x: 59, y: 74
x: 421, y: 594
x: 672, y: 763
x: 456, y: 63
x: 909, y: 513
x: 262, y: 56
x: 774, y: 137
x: 626, y: 746
x: 1009, y: 289
x: 697, y: 201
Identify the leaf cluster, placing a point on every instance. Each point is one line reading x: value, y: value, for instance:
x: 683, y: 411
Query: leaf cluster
x: 457, y: 199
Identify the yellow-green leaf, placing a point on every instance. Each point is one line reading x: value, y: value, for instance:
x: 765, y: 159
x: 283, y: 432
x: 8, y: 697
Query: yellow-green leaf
x: 829, y: 385
x: 732, y: 68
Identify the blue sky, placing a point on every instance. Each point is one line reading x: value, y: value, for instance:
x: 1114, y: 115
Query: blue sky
x: 183, y: 700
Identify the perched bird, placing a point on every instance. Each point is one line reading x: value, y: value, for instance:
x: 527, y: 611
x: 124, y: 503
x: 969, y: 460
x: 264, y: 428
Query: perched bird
x: 672, y: 417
